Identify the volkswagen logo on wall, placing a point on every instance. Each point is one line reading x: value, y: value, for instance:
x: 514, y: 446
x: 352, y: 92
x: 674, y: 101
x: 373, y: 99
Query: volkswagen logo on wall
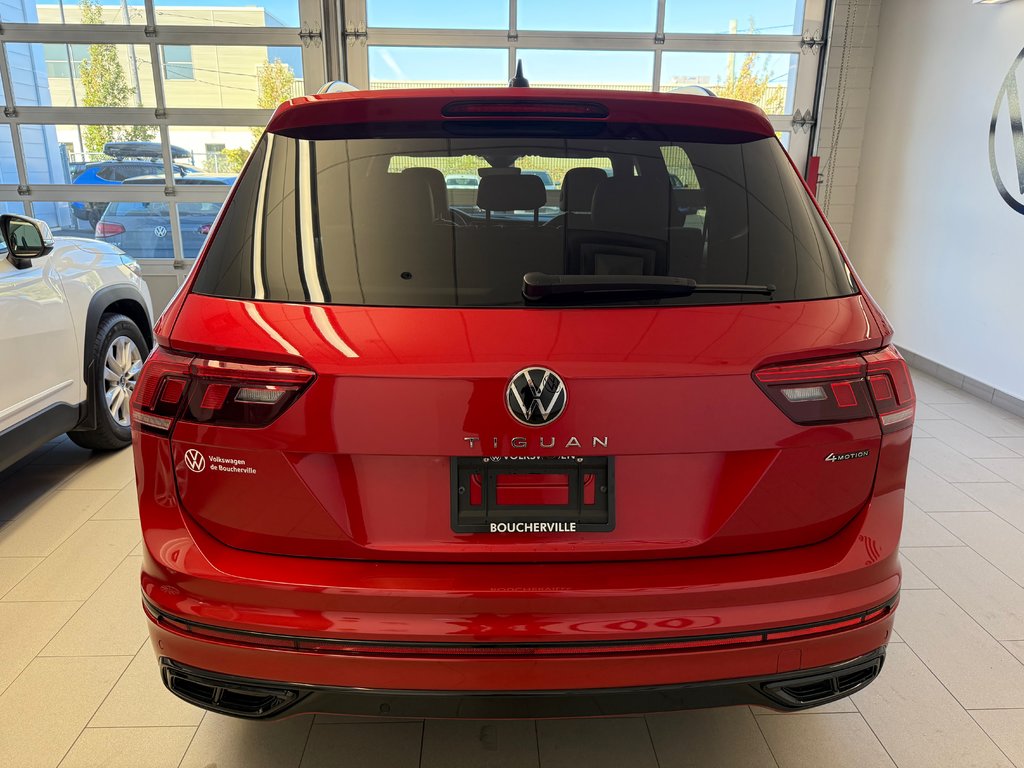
x: 1006, y: 138
x: 536, y: 396
x: 160, y: 231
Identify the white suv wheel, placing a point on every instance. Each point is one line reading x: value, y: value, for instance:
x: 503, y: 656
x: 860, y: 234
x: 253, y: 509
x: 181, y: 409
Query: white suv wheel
x: 121, y: 366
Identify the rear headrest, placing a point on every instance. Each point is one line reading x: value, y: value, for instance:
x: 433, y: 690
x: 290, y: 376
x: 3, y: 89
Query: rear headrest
x: 402, y: 195
x: 511, y: 193
x: 578, y: 188
x: 634, y: 204
x: 433, y: 179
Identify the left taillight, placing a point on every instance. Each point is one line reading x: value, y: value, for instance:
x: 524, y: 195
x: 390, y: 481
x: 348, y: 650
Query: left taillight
x: 175, y: 386
x: 108, y: 229
x: 875, y: 385
x: 157, y: 397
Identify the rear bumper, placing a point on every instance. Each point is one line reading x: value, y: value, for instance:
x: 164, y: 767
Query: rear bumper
x: 194, y: 579
x: 261, y: 699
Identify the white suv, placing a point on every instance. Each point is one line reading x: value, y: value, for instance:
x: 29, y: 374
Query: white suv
x: 75, y: 328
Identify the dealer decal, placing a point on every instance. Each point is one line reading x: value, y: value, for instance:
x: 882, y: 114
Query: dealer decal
x: 196, y: 462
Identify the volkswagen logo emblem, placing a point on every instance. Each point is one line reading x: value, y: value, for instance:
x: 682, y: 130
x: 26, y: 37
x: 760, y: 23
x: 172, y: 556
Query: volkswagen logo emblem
x: 536, y: 396
x: 160, y: 231
x: 1006, y: 138
x: 194, y: 460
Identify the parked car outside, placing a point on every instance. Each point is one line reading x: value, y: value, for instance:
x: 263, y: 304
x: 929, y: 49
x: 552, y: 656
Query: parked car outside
x: 544, y: 176
x: 130, y: 159
x: 644, y: 452
x: 143, y: 229
x: 461, y: 180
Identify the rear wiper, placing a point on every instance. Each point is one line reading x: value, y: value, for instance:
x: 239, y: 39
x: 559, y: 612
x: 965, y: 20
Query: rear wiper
x: 538, y: 286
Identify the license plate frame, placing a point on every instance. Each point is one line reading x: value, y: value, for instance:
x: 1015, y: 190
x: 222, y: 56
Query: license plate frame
x: 597, y: 517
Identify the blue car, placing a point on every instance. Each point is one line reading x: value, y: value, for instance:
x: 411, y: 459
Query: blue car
x: 131, y: 159
x: 143, y: 229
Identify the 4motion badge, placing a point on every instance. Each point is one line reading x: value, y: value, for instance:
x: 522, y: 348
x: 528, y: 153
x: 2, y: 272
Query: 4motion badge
x: 847, y: 456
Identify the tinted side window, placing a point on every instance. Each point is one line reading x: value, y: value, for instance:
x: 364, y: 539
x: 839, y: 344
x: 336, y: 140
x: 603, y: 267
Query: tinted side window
x: 235, y: 269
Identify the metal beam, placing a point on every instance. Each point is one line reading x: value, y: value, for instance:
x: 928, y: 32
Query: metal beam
x: 11, y: 113
x: 596, y: 41
x: 141, y: 116
x: 136, y: 34
x: 116, y: 193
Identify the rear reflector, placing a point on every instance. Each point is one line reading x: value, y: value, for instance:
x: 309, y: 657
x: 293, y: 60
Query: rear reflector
x: 531, y: 108
x: 875, y: 385
x: 221, y: 392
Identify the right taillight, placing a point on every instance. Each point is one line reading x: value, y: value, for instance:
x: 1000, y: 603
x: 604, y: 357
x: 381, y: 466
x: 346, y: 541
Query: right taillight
x: 891, y: 389
x: 175, y: 386
x: 843, y: 389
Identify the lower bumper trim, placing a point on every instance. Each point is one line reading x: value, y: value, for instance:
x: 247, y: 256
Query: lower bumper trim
x: 261, y: 699
x: 492, y: 649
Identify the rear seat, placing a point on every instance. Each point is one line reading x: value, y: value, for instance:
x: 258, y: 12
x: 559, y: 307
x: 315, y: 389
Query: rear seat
x: 576, y: 197
x: 434, y: 181
x: 511, y: 192
x: 629, y: 229
x: 497, y: 253
x: 395, y: 216
x: 578, y: 188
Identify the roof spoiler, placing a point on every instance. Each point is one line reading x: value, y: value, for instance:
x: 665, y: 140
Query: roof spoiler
x: 694, y: 90
x: 337, y: 86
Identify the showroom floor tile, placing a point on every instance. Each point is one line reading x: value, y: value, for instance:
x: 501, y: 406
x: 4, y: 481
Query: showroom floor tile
x: 78, y: 683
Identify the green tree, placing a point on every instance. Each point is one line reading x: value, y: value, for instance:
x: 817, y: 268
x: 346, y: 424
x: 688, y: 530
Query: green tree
x: 753, y: 84
x: 227, y: 160
x: 274, y: 83
x: 104, y: 84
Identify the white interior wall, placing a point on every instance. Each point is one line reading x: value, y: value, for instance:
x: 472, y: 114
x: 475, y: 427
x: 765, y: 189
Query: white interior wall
x: 847, y: 86
x: 931, y: 236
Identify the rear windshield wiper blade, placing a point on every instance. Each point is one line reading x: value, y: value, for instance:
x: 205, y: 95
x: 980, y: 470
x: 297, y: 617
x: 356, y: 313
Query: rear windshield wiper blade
x: 538, y: 286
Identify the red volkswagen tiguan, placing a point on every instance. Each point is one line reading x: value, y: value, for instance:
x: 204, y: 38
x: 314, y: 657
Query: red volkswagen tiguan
x: 615, y: 429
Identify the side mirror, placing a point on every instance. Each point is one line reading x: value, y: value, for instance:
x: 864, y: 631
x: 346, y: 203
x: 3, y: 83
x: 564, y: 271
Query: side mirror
x: 26, y: 238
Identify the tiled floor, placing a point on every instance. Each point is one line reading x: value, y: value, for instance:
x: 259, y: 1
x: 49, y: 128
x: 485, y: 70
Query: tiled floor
x: 78, y: 684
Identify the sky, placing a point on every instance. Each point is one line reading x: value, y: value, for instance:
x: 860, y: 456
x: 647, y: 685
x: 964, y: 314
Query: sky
x: 700, y: 16
x: 618, y: 67
x: 770, y: 16
x: 481, y: 65
x: 491, y: 66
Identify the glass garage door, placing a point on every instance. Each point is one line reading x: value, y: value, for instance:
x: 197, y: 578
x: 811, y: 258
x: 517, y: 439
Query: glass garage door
x: 762, y: 51
x: 127, y: 120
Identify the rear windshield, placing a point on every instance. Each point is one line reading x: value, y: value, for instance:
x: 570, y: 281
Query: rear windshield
x: 457, y: 222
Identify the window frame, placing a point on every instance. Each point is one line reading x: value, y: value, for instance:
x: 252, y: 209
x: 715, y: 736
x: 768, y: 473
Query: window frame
x: 310, y: 36
x: 809, y: 45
